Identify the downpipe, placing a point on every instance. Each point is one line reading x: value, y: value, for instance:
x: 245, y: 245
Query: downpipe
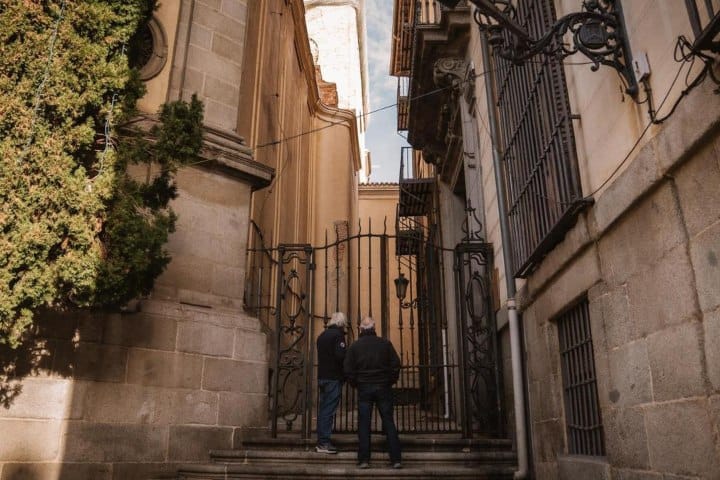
x: 513, y: 318
x: 518, y: 390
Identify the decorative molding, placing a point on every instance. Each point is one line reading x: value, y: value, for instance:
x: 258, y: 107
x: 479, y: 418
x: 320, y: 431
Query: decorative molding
x: 222, y: 151
x: 158, y: 47
x: 449, y: 72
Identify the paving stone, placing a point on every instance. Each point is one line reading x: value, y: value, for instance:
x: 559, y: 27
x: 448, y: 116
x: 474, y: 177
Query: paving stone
x: 205, y: 338
x: 40, y: 399
x: 587, y: 468
x: 162, y: 369
x: 141, y: 330
x: 95, y: 442
x: 680, y: 439
x: 234, y: 376
x: 56, y: 471
x: 711, y: 326
x: 625, y: 438
x: 705, y: 254
x: 641, y: 237
x: 625, y: 474
x: 243, y: 410
x: 189, y: 443
x: 629, y: 371
x: 696, y: 185
x: 676, y: 362
x: 651, y: 307
x: 29, y: 440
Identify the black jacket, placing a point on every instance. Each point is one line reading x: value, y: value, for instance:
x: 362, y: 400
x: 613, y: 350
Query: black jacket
x: 372, y: 360
x: 331, y: 349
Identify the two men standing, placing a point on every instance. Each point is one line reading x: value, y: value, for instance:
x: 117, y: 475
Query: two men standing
x: 371, y: 365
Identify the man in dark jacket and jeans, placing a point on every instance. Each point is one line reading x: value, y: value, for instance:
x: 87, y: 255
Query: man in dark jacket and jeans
x: 331, y: 349
x: 372, y: 366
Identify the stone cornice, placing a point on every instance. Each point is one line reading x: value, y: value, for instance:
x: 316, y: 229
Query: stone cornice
x: 359, y: 6
x: 389, y: 190
x: 222, y: 151
x: 336, y: 116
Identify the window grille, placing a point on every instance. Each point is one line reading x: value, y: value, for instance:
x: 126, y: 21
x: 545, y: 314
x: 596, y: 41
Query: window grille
x: 705, y: 21
x: 582, y: 411
x: 538, y: 145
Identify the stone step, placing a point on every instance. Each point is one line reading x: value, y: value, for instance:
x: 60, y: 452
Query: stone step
x: 441, y: 442
x: 337, y: 472
x: 349, y: 457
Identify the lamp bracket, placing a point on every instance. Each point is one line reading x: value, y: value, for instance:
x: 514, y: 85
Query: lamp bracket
x: 598, y: 32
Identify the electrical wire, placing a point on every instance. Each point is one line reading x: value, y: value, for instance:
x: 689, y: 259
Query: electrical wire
x: 41, y: 85
x: 640, y: 137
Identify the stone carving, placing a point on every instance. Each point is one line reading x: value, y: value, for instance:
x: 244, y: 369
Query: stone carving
x: 449, y: 72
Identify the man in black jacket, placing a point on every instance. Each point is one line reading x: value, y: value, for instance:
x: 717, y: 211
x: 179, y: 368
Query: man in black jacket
x: 331, y: 349
x: 372, y: 366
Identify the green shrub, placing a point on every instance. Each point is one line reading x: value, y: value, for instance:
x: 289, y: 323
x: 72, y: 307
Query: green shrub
x: 76, y: 230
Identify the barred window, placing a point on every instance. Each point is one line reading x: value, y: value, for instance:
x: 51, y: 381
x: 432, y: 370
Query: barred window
x: 582, y: 410
x: 538, y: 146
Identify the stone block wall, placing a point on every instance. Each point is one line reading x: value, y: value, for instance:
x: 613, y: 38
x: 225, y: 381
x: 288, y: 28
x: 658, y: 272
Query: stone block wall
x: 646, y: 258
x: 208, y: 57
x: 121, y: 396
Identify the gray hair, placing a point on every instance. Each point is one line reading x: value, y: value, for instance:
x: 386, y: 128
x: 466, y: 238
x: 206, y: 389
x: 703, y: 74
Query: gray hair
x: 337, y: 319
x: 367, y: 323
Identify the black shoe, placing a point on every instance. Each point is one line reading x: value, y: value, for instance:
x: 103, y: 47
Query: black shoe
x: 363, y: 465
x: 327, y: 448
x: 397, y: 465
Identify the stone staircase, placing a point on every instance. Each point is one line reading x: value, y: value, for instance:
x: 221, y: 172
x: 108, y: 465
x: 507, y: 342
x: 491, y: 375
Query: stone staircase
x: 424, y: 457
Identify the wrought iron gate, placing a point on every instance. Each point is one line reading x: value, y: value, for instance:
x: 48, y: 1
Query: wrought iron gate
x: 446, y: 384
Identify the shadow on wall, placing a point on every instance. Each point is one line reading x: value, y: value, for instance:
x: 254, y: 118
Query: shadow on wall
x: 47, y: 349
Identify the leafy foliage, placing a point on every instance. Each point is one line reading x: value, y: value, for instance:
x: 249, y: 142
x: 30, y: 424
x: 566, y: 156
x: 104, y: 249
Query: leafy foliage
x: 78, y: 226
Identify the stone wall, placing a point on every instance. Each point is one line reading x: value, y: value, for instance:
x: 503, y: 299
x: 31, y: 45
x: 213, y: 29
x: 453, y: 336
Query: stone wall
x: 116, y: 396
x: 208, y: 57
x: 646, y: 257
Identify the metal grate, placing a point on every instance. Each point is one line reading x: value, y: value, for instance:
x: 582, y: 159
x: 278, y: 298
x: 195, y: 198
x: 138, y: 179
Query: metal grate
x: 582, y: 411
x: 705, y: 20
x: 538, y: 145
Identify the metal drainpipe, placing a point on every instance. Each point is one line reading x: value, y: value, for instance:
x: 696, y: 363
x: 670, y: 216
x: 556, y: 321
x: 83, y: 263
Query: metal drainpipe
x: 515, y: 346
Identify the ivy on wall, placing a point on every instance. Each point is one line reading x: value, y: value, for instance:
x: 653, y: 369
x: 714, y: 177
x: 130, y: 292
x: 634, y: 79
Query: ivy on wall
x: 76, y: 229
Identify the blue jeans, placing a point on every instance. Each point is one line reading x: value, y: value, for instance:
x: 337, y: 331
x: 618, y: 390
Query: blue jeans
x: 380, y: 395
x: 329, y: 392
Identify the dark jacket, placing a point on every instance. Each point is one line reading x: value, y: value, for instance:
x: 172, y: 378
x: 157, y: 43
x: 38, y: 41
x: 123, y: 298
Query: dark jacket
x: 372, y: 360
x: 331, y: 349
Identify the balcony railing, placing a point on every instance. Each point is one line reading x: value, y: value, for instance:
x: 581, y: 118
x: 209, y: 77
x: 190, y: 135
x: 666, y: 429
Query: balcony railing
x: 429, y: 12
x: 403, y: 103
x: 417, y: 183
x: 705, y: 21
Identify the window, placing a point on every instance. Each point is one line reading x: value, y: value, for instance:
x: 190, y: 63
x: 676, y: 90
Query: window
x: 538, y: 146
x: 582, y: 411
x: 148, y: 49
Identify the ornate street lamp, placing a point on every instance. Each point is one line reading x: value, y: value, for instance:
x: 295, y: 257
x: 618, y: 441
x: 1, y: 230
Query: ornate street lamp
x: 401, y: 284
x: 597, y: 31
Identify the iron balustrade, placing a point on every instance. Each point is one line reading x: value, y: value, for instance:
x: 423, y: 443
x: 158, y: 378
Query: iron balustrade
x: 295, y: 288
x: 705, y: 21
x: 582, y: 410
x: 403, y: 104
x: 537, y: 145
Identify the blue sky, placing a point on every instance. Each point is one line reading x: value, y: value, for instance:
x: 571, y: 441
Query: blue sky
x: 381, y: 139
